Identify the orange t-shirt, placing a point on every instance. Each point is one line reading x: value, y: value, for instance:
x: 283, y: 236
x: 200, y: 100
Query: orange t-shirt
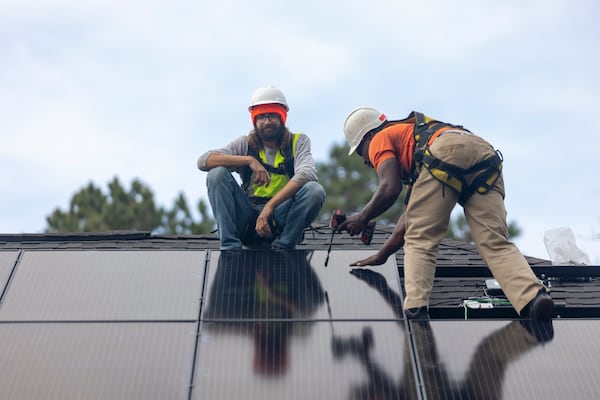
x: 396, y: 141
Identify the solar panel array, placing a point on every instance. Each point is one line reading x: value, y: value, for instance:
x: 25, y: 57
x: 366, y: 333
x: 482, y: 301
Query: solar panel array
x: 206, y: 324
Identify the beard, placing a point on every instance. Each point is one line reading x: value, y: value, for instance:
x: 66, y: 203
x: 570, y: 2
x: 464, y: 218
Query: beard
x: 270, y: 132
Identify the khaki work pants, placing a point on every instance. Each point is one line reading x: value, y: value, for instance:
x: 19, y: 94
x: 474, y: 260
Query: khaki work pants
x: 428, y: 214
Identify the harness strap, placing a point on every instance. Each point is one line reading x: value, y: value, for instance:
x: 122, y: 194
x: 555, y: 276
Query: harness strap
x: 451, y: 175
x: 485, y: 180
x: 454, y: 176
x: 286, y: 169
x: 424, y: 128
x: 288, y: 158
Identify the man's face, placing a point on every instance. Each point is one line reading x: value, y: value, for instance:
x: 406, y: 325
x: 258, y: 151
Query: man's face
x: 269, y: 127
x: 363, y: 150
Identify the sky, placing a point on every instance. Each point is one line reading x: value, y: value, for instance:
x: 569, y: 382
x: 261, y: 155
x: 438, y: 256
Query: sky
x: 91, y: 90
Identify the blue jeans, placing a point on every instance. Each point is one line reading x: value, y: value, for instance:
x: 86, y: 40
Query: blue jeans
x: 232, y: 211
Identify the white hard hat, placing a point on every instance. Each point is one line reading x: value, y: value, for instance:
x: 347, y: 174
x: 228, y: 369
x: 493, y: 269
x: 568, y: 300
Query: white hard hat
x: 359, y: 122
x: 268, y: 95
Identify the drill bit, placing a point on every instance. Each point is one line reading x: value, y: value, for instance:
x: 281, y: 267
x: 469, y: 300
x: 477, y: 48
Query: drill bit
x: 336, y: 219
x: 329, y: 248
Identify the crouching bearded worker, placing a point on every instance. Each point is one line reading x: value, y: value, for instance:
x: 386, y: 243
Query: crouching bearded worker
x: 279, y: 195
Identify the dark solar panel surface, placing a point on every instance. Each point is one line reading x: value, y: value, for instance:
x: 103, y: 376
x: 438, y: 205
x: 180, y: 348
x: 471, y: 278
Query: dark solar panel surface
x: 105, y: 360
x: 105, y: 285
x: 171, y: 324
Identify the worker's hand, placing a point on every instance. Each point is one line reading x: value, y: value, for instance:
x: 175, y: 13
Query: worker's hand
x: 262, y: 222
x: 375, y: 259
x: 354, y: 224
x: 260, y: 175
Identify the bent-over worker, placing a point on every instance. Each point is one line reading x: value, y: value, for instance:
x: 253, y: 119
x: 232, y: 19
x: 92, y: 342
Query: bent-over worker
x: 441, y: 164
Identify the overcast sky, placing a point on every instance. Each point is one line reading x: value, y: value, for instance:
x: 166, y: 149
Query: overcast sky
x: 95, y: 89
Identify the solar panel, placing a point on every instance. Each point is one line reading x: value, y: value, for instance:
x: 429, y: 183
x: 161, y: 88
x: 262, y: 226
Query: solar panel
x: 296, y: 285
x: 301, y: 360
x: 508, y: 359
x: 96, y: 360
x: 105, y: 285
x: 283, y: 325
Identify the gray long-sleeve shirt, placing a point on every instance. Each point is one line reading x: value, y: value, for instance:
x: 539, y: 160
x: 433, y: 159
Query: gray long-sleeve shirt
x: 304, y: 164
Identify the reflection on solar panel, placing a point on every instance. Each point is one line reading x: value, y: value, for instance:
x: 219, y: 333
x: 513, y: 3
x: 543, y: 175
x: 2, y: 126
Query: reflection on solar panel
x: 281, y: 325
x: 301, y: 360
x: 263, y: 285
x: 508, y: 359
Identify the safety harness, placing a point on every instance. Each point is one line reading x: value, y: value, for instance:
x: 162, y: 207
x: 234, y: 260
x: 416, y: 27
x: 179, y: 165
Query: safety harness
x: 282, y: 169
x: 280, y: 174
x: 451, y: 175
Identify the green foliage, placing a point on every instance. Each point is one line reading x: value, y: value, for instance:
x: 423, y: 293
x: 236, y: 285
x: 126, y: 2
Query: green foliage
x: 91, y: 210
x: 349, y: 185
x: 179, y: 219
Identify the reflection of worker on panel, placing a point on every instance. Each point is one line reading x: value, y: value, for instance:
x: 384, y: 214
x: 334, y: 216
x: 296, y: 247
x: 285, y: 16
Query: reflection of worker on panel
x: 484, y: 377
x: 259, y: 285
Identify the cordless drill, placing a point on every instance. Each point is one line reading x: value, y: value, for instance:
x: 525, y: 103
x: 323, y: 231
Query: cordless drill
x: 337, y: 218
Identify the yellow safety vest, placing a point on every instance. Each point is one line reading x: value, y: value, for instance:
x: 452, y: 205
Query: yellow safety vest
x: 281, y: 171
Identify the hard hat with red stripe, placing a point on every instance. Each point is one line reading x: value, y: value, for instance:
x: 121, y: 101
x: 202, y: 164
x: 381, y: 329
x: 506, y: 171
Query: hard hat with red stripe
x: 359, y: 122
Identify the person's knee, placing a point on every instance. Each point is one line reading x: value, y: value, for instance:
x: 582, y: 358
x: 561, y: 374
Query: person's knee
x: 315, y: 194
x: 216, y: 176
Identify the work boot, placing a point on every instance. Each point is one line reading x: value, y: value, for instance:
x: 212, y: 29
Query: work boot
x: 541, y: 308
x: 542, y: 331
x: 417, y: 313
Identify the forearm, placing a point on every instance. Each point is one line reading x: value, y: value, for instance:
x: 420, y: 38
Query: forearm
x: 285, y: 193
x: 382, y: 200
x: 226, y: 160
x: 238, y: 147
x: 262, y: 222
x: 392, y: 244
x: 388, y: 190
x: 396, y: 239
